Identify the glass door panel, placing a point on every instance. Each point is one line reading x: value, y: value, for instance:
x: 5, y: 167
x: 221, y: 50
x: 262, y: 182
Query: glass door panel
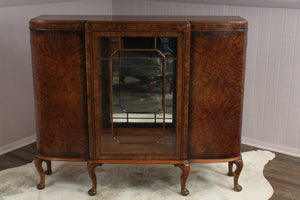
x: 104, y: 95
x: 136, y: 87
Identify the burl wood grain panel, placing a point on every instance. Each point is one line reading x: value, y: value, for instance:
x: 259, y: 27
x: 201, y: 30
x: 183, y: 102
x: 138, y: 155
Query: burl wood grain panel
x: 216, y: 93
x: 60, y: 93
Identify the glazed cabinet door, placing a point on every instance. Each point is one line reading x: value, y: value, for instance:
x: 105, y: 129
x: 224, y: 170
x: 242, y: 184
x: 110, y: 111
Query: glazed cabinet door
x: 216, y: 93
x: 136, y: 89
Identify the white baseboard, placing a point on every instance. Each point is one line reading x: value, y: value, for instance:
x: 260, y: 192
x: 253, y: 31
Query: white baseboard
x: 17, y: 144
x: 271, y: 147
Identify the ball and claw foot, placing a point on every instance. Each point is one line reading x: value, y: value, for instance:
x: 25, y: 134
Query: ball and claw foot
x: 238, y: 188
x: 230, y: 174
x: 40, y: 186
x: 185, y: 192
x: 48, y: 172
x: 92, y: 191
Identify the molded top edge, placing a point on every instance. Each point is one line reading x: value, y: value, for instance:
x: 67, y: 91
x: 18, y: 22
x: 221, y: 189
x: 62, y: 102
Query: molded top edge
x: 137, y: 19
x: 76, y: 22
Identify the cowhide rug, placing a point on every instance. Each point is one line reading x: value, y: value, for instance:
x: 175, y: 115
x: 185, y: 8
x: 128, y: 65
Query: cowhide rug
x: 70, y: 181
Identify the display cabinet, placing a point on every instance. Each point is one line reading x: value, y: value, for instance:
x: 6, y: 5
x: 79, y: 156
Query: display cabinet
x: 139, y: 90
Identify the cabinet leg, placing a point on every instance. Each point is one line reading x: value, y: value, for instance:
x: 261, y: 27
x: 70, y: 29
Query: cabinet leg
x: 236, y: 173
x: 230, y: 171
x: 91, y: 170
x: 38, y: 164
x: 49, y: 170
x: 184, y: 175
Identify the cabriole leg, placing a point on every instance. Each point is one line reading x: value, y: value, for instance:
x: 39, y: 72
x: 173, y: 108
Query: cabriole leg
x: 38, y: 164
x: 184, y: 175
x: 49, y: 170
x: 91, y: 169
x: 230, y: 171
x: 236, y: 173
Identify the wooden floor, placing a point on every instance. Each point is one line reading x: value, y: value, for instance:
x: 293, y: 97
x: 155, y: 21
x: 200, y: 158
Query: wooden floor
x: 283, y: 172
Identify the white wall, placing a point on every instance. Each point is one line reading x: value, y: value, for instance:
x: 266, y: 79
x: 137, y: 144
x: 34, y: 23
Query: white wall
x: 10, y: 3
x: 257, y: 3
x: 271, y: 116
x: 17, y: 127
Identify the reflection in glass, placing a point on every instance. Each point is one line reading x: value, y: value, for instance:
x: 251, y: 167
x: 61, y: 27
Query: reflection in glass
x: 167, y: 45
x: 142, y: 84
x: 137, y: 86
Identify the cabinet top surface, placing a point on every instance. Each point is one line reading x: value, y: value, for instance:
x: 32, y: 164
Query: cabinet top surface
x: 137, y: 19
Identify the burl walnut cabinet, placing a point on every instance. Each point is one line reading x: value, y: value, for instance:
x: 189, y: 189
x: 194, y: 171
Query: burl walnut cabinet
x: 138, y: 89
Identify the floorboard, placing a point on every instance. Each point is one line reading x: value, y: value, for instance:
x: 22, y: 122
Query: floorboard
x: 283, y: 172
